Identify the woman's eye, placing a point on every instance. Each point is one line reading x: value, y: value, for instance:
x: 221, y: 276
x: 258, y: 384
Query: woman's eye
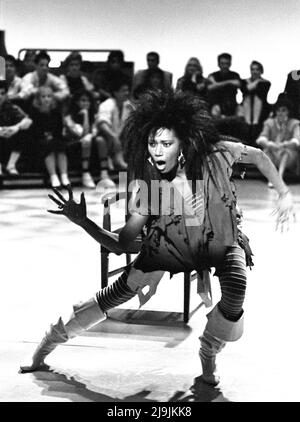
x: 167, y: 144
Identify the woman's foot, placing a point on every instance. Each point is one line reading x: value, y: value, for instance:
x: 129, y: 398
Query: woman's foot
x: 105, y: 182
x: 87, y: 180
x: 35, y: 366
x: 54, y: 181
x: 110, y: 164
x: 65, y: 180
x: 12, y: 171
x: 209, y: 375
x: 119, y: 161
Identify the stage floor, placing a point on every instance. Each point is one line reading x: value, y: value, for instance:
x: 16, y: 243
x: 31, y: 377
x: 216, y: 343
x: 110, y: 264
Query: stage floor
x: 48, y: 263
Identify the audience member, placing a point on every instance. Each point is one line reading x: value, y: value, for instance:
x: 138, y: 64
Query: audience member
x: 80, y: 129
x: 193, y: 81
x: 154, y: 81
x: 104, y: 81
x: 13, y: 126
x: 280, y: 138
x: 111, y: 116
x: 47, y: 132
x: 141, y: 76
x: 292, y: 91
x: 255, y: 107
x: 222, y: 92
x: 32, y: 81
x: 223, y: 87
x: 14, y: 82
x: 28, y: 63
x: 73, y: 77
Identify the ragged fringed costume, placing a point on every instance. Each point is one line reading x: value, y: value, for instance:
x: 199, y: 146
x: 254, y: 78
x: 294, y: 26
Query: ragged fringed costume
x: 175, y: 243
x: 204, y: 236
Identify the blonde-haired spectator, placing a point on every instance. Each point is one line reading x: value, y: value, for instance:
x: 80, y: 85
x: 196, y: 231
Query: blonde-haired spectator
x: 193, y: 81
x: 47, y: 131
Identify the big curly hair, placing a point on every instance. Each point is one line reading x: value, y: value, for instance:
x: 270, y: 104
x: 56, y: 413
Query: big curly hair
x: 186, y: 115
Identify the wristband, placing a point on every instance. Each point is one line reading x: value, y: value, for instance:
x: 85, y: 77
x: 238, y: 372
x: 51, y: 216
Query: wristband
x: 280, y: 195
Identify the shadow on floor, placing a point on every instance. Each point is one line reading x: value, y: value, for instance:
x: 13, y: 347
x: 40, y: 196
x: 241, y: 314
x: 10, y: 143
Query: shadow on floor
x: 166, y: 327
x: 57, y: 384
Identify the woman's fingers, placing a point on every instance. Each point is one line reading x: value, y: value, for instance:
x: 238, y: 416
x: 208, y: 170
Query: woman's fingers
x: 61, y: 205
x: 56, y: 191
x: 69, y: 189
x: 55, y: 212
x: 82, y: 199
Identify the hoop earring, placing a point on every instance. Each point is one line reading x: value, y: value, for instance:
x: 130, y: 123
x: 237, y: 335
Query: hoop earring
x: 150, y: 160
x: 181, y: 159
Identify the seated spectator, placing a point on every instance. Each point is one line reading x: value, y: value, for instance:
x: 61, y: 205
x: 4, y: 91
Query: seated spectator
x: 104, y: 81
x: 141, y: 76
x: 80, y: 129
x: 223, y: 87
x: 47, y: 134
x: 13, y: 126
x: 222, y: 92
x: 193, y: 81
x: 32, y: 81
x: 280, y: 138
x: 28, y: 63
x: 13, y: 81
x: 111, y: 116
x: 73, y: 78
x: 154, y: 80
x: 255, y: 107
x: 292, y: 92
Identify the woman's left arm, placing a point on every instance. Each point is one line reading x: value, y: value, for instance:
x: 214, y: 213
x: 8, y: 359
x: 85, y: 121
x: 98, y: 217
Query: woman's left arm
x: 284, y: 206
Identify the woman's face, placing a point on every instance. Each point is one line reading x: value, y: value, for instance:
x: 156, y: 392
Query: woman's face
x: 192, y: 67
x: 122, y: 94
x: 74, y: 68
x: 42, y: 67
x: 255, y: 71
x: 164, y: 149
x: 155, y: 82
x: 10, y: 68
x: 282, y: 114
x: 46, y: 98
x: 84, y: 103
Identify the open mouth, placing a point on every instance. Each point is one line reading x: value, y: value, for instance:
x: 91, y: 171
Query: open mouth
x: 160, y: 164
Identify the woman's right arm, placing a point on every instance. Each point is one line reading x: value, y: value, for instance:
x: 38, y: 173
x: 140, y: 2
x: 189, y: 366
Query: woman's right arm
x: 74, y: 128
x: 117, y: 243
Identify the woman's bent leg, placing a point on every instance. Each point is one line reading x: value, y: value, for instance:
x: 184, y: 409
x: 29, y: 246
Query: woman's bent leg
x: 225, y: 321
x: 84, y: 316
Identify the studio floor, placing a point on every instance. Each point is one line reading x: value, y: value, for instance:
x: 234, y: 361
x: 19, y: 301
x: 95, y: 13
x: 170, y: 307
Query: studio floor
x: 147, y: 354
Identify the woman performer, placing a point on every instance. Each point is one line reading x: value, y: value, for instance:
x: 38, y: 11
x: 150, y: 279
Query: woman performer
x: 172, y: 142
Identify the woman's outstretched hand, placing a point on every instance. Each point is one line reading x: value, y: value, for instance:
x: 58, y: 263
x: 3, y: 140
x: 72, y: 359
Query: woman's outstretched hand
x: 75, y: 212
x: 284, y: 211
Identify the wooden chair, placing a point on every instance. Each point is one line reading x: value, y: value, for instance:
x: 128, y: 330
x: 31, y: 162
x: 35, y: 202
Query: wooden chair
x: 107, y: 201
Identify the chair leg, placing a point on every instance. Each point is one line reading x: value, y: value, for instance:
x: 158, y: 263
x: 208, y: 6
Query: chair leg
x: 104, y: 269
x: 186, y: 297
